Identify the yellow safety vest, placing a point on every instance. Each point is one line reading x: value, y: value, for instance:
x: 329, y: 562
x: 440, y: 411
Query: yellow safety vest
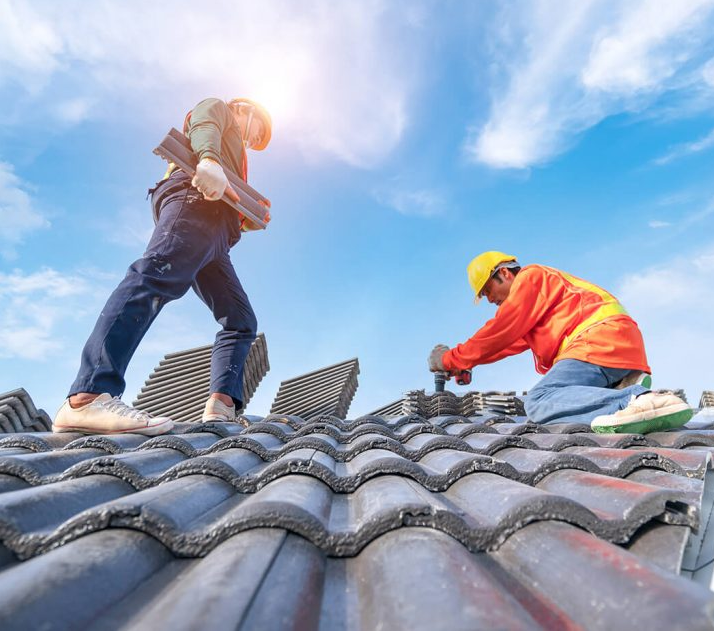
x: 610, y: 307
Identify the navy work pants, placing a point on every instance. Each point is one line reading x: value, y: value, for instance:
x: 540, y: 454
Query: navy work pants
x: 189, y: 248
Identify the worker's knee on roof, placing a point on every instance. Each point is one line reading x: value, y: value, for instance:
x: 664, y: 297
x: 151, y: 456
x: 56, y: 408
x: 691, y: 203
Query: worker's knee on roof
x: 535, y: 402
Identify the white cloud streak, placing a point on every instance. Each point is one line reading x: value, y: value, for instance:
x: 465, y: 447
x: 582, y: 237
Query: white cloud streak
x: 34, y: 307
x: 574, y: 64
x: 131, y: 226
x: 645, y: 46
x: 708, y: 72
x: 18, y: 216
x: 686, y: 149
x: 333, y: 74
x: 420, y: 202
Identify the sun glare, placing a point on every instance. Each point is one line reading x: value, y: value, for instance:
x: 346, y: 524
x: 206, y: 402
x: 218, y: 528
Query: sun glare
x: 280, y: 85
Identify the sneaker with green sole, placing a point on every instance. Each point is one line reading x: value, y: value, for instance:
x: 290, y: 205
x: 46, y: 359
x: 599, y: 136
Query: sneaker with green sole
x: 635, y: 378
x: 649, y: 412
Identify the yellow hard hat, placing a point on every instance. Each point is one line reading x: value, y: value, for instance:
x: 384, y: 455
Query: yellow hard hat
x: 482, y: 268
x: 262, y: 113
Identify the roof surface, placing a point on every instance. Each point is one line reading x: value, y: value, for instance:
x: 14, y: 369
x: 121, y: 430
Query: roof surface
x: 408, y: 523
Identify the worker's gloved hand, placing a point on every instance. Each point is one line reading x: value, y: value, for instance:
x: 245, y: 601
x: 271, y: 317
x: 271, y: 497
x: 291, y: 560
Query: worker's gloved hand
x: 435, y: 363
x: 210, y: 179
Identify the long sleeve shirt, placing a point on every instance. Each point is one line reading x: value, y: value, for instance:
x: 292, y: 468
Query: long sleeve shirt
x: 558, y: 317
x: 214, y: 134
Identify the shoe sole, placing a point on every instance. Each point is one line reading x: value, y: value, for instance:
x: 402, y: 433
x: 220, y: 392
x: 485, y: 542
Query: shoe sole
x: 662, y: 423
x: 154, y: 430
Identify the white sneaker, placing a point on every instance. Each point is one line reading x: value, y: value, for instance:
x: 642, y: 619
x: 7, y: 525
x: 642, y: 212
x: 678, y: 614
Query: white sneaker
x: 217, y: 411
x: 109, y: 415
x: 650, y: 412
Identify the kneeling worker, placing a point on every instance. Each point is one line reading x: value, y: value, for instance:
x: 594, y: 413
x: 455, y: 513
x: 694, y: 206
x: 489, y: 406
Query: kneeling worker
x: 590, y: 351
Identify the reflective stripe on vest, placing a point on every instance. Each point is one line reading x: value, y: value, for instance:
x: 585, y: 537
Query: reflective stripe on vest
x: 610, y: 307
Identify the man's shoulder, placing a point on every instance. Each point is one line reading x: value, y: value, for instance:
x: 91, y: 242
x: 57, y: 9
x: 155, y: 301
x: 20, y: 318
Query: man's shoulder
x: 534, y: 271
x: 211, y: 107
x: 535, y: 276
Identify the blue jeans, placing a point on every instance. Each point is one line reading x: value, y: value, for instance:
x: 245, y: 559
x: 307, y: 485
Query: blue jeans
x: 189, y: 248
x: 577, y: 392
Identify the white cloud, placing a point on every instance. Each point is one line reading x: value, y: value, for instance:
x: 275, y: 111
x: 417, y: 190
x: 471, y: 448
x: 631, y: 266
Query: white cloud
x: 672, y: 303
x: 644, y: 47
x: 73, y: 111
x: 687, y: 148
x: 335, y: 76
x: 131, y: 226
x: 47, y: 281
x: 29, y: 47
x: 708, y: 72
x: 573, y: 64
x: 687, y: 220
x: 35, y: 306
x: 420, y: 202
x: 18, y: 217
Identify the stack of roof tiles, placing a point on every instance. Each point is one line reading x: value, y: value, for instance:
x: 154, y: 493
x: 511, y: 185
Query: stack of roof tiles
x: 707, y: 399
x: 469, y: 404
x: 325, y: 392
x: 179, y: 386
x: 452, y: 523
x: 395, y: 408
x: 19, y: 414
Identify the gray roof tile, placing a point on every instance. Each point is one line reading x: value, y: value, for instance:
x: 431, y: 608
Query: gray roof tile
x: 339, y: 524
x: 267, y: 578
x: 325, y: 392
x: 19, y: 414
x: 179, y: 386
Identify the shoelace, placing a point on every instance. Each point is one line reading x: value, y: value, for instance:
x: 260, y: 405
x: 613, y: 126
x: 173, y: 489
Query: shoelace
x: 637, y: 404
x: 118, y: 406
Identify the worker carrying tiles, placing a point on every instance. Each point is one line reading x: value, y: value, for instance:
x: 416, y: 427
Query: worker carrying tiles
x: 591, y: 352
x: 189, y: 248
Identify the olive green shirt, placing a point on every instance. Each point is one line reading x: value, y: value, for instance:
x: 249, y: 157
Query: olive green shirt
x: 214, y: 134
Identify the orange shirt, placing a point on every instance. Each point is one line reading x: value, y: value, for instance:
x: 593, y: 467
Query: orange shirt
x: 543, y: 308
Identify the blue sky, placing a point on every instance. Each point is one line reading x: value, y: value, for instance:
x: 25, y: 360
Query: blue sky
x: 408, y: 137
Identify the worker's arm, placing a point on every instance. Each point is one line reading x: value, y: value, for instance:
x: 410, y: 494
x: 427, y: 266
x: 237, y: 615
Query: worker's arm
x: 209, y: 119
x: 516, y: 348
x: 503, y: 335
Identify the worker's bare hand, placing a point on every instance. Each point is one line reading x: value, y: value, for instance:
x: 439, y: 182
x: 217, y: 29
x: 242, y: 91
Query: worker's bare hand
x: 265, y: 203
x: 435, y: 358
